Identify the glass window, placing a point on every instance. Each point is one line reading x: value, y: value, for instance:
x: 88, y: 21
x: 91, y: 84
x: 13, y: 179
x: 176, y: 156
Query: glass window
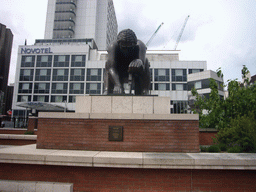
x: 162, y: 86
x: 28, y: 61
x: 44, y: 58
x: 179, y: 75
x: 93, y: 88
x: 61, y: 58
x: 162, y: 75
x: 179, y: 87
x: 43, y: 74
x: 60, y: 75
x: 77, y: 75
x: 60, y: 72
x: 24, y: 98
x: 26, y: 74
x: 44, y: 61
x: 78, y: 61
x: 76, y: 88
x: 42, y: 88
x: 93, y: 75
x: 25, y: 86
x: 58, y: 99
x: 77, y: 71
x: 179, y: 107
x: 198, y: 85
x: 78, y: 58
x: 59, y: 88
x: 61, y: 61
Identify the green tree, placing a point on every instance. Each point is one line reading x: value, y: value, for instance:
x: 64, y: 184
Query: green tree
x: 234, y: 117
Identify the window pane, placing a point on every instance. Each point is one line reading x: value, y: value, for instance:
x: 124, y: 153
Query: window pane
x: 60, y: 72
x: 26, y: 72
x: 40, y: 98
x: 24, y: 98
x: 93, y: 86
x: 61, y: 58
x: 78, y: 58
x: 94, y: 71
x: 43, y: 72
x: 42, y: 86
x: 161, y: 72
x: 162, y: 86
x: 198, y: 85
x: 178, y: 72
x: 76, y: 86
x: 59, y: 86
x: 77, y: 72
x: 28, y: 59
x: 44, y: 58
x: 58, y: 99
x: 25, y: 86
x: 179, y: 87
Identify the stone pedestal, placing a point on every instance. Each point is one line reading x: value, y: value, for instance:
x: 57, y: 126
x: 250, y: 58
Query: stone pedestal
x: 119, y: 123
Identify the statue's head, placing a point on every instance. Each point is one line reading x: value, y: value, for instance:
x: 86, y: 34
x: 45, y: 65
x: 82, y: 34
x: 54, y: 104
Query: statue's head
x: 126, y: 39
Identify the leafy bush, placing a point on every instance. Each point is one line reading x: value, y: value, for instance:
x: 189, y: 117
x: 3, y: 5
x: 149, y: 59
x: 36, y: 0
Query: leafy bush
x: 240, y: 135
x: 214, y: 149
x: 235, y: 149
x: 29, y: 133
x: 204, y: 148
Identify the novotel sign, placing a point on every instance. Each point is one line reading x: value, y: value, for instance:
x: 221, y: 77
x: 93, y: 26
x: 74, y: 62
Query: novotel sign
x: 35, y: 50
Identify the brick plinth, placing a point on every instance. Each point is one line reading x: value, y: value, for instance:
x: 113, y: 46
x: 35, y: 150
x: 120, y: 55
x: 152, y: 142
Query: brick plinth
x: 120, y: 180
x: 138, y: 135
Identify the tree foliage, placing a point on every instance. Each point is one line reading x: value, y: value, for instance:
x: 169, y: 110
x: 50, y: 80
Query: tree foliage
x: 234, y: 117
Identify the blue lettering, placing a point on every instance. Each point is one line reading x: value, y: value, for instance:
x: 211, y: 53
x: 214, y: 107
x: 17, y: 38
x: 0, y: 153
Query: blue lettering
x: 23, y: 51
x: 35, y: 50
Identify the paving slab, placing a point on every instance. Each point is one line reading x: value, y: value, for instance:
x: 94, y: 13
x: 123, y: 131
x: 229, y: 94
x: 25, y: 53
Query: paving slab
x: 28, y: 154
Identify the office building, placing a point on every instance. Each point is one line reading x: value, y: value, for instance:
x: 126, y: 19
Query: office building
x: 6, y: 38
x: 82, y: 19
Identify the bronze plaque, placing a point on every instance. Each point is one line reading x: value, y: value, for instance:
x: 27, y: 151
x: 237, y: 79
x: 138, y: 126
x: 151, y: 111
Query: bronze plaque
x: 115, y: 133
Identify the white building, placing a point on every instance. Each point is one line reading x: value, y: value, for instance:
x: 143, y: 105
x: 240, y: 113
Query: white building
x: 82, y: 19
x: 54, y: 70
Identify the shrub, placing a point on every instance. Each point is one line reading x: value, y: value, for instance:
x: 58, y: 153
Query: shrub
x: 214, y: 149
x: 29, y: 133
x: 240, y: 135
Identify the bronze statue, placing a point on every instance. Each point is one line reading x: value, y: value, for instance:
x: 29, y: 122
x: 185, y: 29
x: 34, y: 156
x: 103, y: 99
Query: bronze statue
x: 127, y: 63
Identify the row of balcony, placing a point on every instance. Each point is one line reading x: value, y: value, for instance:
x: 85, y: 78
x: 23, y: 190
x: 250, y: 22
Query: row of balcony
x: 64, y: 21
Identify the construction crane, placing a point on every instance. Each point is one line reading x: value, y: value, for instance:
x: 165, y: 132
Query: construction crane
x: 181, y: 32
x: 154, y: 34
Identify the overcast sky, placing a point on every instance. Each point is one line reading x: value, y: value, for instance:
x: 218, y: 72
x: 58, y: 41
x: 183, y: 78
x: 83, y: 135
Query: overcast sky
x: 221, y: 32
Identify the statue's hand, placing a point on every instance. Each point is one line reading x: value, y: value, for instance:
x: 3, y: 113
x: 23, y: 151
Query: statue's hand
x: 136, y: 66
x: 118, y: 90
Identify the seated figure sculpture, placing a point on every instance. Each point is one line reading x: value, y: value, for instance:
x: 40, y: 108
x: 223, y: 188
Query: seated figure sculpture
x: 127, y: 60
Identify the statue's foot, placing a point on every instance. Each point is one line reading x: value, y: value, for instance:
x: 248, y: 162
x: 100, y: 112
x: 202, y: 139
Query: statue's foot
x: 118, y: 90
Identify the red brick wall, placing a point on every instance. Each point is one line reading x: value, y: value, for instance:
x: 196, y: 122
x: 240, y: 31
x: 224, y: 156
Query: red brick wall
x: 206, y: 138
x: 16, y: 142
x: 139, y: 135
x: 14, y: 131
x: 121, y: 180
x: 32, y: 124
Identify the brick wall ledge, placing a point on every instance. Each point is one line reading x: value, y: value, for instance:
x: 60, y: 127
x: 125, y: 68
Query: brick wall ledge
x: 18, y: 137
x: 119, y: 116
x: 28, y: 154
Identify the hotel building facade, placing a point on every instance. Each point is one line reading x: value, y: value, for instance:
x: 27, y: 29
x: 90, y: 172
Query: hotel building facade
x: 71, y: 59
